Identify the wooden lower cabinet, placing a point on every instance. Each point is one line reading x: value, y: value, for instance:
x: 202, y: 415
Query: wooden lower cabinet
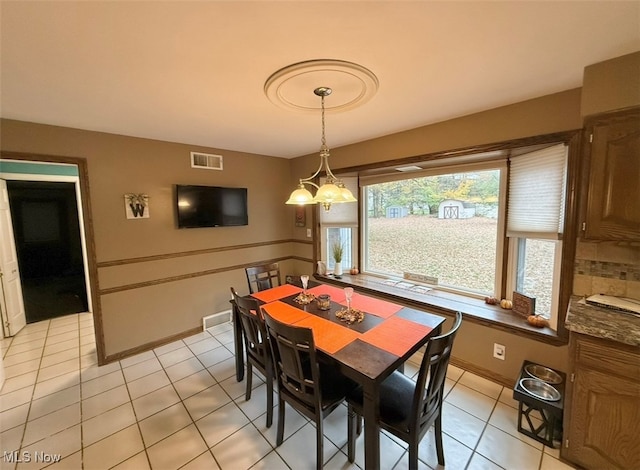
x: 602, y: 407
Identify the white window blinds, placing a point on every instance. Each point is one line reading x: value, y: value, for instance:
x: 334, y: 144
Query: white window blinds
x: 345, y: 213
x: 537, y: 184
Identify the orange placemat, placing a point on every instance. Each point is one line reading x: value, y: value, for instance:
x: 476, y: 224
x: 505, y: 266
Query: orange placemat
x: 328, y: 336
x: 337, y: 294
x: 285, y: 313
x: 396, y: 335
x: 377, y: 307
x: 276, y: 293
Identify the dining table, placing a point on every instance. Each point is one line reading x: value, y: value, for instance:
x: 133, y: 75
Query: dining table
x: 366, y: 351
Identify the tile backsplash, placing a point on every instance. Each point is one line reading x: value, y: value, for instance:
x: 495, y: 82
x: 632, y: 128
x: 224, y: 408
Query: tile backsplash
x: 607, y: 268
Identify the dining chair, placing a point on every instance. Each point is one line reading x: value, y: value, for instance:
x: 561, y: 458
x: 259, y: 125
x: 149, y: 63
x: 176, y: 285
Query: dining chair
x: 256, y: 345
x: 408, y: 408
x: 263, y: 277
x: 311, y: 387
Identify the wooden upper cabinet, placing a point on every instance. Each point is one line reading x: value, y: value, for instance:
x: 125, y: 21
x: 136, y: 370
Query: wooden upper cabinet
x: 612, y: 151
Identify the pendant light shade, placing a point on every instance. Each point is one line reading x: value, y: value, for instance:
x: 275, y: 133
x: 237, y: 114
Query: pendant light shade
x: 333, y: 191
x: 300, y: 196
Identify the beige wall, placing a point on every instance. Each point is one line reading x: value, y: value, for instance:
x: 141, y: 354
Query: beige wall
x: 133, y: 312
x: 612, y: 84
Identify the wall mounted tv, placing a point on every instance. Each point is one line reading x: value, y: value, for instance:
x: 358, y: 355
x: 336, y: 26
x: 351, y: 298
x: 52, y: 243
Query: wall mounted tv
x: 211, y: 206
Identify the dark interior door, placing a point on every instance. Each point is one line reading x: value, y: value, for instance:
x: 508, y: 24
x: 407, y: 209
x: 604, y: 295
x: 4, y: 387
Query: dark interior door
x: 48, y: 243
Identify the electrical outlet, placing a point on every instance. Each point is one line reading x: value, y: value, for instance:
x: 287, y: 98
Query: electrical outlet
x: 499, y: 351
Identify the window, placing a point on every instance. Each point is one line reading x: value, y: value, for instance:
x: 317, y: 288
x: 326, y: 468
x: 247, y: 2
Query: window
x: 339, y: 226
x: 448, y: 235
x: 446, y: 228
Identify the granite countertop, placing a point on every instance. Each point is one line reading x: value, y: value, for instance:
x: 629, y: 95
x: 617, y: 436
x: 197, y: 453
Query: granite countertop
x: 602, y: 322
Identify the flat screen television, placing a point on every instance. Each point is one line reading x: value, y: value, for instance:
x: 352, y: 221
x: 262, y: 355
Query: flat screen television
x: 211, y: 206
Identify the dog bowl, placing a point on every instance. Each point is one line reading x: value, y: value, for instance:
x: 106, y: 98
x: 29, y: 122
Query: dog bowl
x: 540, y: 389
x: 543, y: 373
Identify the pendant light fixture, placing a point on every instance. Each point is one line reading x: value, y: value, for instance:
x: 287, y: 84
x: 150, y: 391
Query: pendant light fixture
x: 333, y: 191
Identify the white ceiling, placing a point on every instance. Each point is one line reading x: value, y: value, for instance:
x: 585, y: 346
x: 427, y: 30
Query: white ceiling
x: 194, y: 72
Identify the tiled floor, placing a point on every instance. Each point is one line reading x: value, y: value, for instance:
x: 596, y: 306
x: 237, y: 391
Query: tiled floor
x: 180, y: 406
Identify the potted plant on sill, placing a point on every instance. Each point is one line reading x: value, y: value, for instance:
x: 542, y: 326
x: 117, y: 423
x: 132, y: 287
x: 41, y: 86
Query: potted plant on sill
x: 338, y: 250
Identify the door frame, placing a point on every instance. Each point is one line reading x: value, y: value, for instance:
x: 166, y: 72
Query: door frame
x: 86, y: 219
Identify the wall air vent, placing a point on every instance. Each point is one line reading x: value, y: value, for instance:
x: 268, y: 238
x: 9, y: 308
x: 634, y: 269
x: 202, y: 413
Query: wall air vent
x: 206, y: 160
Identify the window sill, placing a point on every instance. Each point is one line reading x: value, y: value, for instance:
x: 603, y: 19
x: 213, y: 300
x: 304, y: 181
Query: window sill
x: 436, y: 301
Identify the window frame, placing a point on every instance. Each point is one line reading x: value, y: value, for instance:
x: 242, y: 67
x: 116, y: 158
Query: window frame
x: 574, y: 139
x: 500, y: 252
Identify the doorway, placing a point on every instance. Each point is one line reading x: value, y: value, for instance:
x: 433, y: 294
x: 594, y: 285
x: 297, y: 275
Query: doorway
x: 46, y: 228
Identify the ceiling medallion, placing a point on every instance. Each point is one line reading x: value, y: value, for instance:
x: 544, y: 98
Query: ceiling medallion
x: 353, y: 85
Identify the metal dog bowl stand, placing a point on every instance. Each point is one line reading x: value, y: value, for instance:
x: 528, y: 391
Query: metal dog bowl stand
x: 532, y: 405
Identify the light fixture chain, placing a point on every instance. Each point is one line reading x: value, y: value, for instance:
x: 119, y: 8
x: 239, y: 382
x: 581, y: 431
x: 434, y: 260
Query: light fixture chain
x: 324, y: 140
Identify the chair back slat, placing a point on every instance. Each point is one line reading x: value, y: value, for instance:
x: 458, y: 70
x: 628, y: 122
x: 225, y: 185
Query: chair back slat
x: 263, y: 277
x: 431, y: 378
x: 294, y: 357
x: 254, y: 328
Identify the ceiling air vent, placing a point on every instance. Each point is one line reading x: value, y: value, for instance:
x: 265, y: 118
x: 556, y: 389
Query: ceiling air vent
x: 206, y: 161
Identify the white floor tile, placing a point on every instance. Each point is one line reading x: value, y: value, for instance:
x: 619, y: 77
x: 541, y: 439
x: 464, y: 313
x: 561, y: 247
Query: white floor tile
x: 272, y: 461
x: 113, y: 450
x: 18, y: 397
x: 299, y: 450
x: 51, y: 423
x: 456, y: 454
x: 26, y: 356
x: 214, y: 356
x: 481, y: 384
x: 176, y: 356
x: 57, y: 358
x: 102, y: 384
x: 508, y: 451
x: 184, y: 368
x: 103, y: 402
x: 95, y: 371
x: 550, y: 463
x: 141, y: 369
x: 505, y: 418
x: 14, y: 417
x: 61, y: 382
x: 137, y: 462
x: 242, y: 449
x: 478, y: 462
x: 108, y: 423
x: 223, y: 370
x: 164, y: 423
x: 129, y: 361
x: 147, y: 384
x: 475, y: 403
x: 206, y: 401
x: 194, y: 383
x: 53, y: 448
x: 54, y: 402
x: 56, y: 370
x: 177, y: 450
x: 203, y: 461
x: 461, y: 425
x: 204, y: 346
x: 155, y: 401
x: 169, y: 347
x: 221, y: 423
x: 11, y: 439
